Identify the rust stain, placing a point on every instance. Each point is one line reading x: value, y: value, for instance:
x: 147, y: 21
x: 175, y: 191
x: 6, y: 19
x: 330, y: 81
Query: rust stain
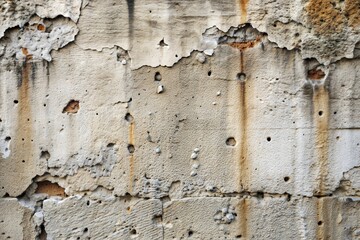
x: 352, y: 11
x: 316, y: 74
x: 132, y: 159
x: 23, y: 135
x: 320, y: 230
x: 244, y: 211
x: 243, y: 161
x: 321, y: 120
x: 244, y: 168
x: 243, y: 10
x: 327, y: 17
x: 52, y: 189
x: 72, y: 107
x: 40, y: 27
x: 246, y: 44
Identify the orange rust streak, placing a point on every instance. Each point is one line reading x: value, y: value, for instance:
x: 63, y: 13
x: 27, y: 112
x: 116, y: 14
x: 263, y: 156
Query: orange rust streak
x: 24, y: 126
x: 132, y: 142
x: 246, y: 44
x: 244, y: 208
x: 321, y: 120
x: 243, y: 161
x: 243, y: 10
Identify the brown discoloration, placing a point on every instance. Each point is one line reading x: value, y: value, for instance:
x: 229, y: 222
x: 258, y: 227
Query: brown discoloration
x: 321, y: 120
x: 25, y: 51
x: 72, y: 107
x: 40, y: 27
x: 51, y: 189
x: 243, y: 10
x: 23, y: 146
x: 243, y: 161
x: 352, y: 11
x: 244, y: 168
x: 324, y: 17
x: 246, y: 44
x: 243, y: 213
x: 316, y: 74
x: 320, y: 230
x: 132, y: 160
x: 328, y: 17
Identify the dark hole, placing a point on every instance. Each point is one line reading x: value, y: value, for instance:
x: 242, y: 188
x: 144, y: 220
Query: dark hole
x: 85, y: 230
x: 209, y: 73
x: 286, y: 179
x: 176, y: 55
x: 190, y: 233
x: 16, y: 101
x: 241, y: 76
x: 260, y: 195
x: 231, y: 141
x: 320, y: 223
x: 7, y: 138
x: 321, y: 113
x: 129, y: 117
x: 131, y: 148
x: 335, y: 112
x: 157, y: 76
x: 88, y: 203
x: 23, y: 161
x: 268, y: 139
x: 239, y: 236
x: 133, y: 232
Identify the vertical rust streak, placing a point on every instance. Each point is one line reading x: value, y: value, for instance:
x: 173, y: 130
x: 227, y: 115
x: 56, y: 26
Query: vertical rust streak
x: 131, y: 142
x: 23, y: 139
x: 243, y: 10
x: 320, y: 233
x: 243, y: 161
x: 241, y: 61
x: 321, y: 120
x: 244, y: 208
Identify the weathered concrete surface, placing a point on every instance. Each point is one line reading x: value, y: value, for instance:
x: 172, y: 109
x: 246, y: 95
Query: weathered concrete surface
x: 180, y: 119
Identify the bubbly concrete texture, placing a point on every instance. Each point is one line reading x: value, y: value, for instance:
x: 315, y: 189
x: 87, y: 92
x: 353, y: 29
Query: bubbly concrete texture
x: 180, y: 119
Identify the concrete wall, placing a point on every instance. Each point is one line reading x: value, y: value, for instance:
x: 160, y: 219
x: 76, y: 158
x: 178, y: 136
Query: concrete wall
x: 180, y: 119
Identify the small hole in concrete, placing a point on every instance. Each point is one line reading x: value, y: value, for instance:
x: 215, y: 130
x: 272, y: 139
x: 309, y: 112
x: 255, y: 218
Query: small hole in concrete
x: 320, y: 223
x: 176, y: 55
x: 88, y: 203
x: 268, y: 139
x: 23, y: 161
x: 321, y: 113
x: 7, y: 138
x: 162, y: 43
x: 72, y: 107
x: 133, y: 231
x: 45, y: 155
x: 286, y: 179
x: 231, y: 141
x: 129, y: 117
x: 239, y: 236
x: 16, y: 101
x: 241, y: 76
x: 335, y: 113
x: 190, y: 233
x: 337, y: 137
x: 131, y: 148
x: 209, y: 73
x: 157, y: 76
x: 85, y: 230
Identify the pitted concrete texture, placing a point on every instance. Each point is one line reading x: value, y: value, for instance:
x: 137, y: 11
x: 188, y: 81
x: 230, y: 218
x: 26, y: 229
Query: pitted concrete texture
x: 180, y: 119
